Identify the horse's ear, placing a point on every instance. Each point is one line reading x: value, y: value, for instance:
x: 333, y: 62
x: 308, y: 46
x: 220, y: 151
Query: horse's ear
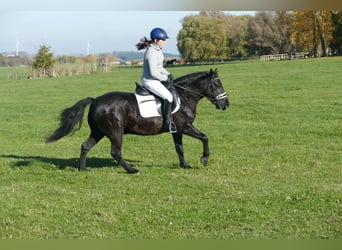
x: 213, y: 71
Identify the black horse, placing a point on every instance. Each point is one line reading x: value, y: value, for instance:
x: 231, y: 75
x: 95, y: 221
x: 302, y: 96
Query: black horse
x: 116, y: 113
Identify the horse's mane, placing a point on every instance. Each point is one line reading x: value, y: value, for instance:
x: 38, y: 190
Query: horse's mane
x: 183, y: 80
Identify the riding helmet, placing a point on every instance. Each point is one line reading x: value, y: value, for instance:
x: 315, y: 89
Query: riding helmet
x: 158, y: 33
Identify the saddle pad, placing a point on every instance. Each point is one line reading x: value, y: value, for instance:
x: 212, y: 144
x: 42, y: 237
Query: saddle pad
x: 149, y: 106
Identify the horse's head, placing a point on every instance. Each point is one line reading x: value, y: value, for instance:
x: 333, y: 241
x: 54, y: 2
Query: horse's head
x: 214, y: 90
x: 204, y: 84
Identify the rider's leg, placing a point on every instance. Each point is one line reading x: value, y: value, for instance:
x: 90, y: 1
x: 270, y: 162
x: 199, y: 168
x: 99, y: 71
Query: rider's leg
x: 168, y: 124
x: 160, y: 90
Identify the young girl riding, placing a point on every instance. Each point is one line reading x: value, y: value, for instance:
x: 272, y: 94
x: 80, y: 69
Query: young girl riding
x: 154, y: 75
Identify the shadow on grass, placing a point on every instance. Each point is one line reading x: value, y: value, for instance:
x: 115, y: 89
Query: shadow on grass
x: 92, y: 162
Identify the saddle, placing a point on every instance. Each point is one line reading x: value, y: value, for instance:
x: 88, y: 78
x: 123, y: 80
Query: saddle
x: 150, y: 104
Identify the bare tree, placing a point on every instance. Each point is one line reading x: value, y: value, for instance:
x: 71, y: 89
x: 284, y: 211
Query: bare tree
x: 268, y: 32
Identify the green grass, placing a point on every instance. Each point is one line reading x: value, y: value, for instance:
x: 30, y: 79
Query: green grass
x: 274, y: 170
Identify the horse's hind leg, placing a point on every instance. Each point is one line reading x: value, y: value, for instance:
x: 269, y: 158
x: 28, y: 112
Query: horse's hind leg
x: 86, y: 146
x: 116, y: 140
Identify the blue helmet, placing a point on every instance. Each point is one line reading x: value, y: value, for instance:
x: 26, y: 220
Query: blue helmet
x: 158, y: 33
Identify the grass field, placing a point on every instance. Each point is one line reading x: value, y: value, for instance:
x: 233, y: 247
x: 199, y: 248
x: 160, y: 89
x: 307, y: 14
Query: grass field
x: 274, y: 171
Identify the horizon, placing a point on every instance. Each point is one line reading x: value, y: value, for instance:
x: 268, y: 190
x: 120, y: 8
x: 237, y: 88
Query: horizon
x: 88, y: 32
x: 25, y: 53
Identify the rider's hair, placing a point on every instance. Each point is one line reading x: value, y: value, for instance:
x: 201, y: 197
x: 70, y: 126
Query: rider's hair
x: 144, y: 43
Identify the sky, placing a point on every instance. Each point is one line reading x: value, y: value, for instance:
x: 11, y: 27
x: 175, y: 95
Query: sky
x: 75, y: 32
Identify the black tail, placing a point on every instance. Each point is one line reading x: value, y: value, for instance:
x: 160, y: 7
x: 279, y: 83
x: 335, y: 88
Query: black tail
x: 70, y: 120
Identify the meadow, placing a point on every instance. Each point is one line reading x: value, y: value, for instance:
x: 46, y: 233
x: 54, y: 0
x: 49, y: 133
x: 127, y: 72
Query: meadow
x: 274, y: 170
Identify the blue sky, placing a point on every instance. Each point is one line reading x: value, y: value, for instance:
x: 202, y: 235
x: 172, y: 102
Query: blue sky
x: 68, y: 31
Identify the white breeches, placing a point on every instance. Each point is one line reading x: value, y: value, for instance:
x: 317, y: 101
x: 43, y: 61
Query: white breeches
x: 158, y: 89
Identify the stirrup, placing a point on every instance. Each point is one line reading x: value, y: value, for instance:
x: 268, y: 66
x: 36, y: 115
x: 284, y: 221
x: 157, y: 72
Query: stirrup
x: 172, y: 128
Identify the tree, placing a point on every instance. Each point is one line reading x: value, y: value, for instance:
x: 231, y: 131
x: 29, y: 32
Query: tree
x: 268, y: 33
x: 43, y: 61
x: 311, y: 29
x: 2, y: 60
x: 203, y: 37
x: 323, y: 22
x: 336, y: 41
x: 282, y: 20
x: 237, y: 29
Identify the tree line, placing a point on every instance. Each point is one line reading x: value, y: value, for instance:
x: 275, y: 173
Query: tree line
x: 214, y: 34
x: 44, y: 64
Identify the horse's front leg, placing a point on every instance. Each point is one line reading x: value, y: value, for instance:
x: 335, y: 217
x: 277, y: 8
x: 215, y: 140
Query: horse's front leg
x: 178, y: 140
x: 194, y: 132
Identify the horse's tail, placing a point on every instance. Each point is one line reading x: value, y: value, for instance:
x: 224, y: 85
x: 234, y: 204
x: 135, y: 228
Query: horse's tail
x: 70, y: 120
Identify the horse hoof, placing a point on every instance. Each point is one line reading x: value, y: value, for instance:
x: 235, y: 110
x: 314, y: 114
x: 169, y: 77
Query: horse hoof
x: 204, y: 160
x: 186, y: 167
x: 135, y: 171
x: 83, y: 169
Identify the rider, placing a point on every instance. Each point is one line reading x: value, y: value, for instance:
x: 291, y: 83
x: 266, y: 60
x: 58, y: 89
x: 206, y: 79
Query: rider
x: 154, y: 75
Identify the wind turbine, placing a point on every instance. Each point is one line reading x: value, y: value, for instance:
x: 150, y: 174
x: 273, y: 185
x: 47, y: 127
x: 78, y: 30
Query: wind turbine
x: 88, y: 48
x: 17, y: 46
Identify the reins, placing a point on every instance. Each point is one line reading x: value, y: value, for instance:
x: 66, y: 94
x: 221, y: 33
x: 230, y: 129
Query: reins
x: 191, y: 91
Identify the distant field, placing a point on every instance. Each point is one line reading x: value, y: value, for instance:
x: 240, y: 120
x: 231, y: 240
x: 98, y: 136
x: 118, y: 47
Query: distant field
x: 274, y: 170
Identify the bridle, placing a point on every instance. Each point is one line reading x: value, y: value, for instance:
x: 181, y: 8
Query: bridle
x: 216, y: 98
x: 219, y: 96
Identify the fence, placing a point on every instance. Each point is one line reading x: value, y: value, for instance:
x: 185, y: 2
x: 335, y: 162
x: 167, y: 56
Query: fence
x: 280, y: 57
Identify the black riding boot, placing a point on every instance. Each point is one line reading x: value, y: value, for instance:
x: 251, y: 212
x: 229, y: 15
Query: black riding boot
x: 168, y: 124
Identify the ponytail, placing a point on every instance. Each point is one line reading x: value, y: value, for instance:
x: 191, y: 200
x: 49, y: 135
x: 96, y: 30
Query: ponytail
x: 144, y: 43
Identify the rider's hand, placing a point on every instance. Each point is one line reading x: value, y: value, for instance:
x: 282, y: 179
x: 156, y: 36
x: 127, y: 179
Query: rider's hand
x: 170, y: 79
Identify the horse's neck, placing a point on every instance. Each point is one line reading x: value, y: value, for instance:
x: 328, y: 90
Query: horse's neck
x: 188, y: 96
